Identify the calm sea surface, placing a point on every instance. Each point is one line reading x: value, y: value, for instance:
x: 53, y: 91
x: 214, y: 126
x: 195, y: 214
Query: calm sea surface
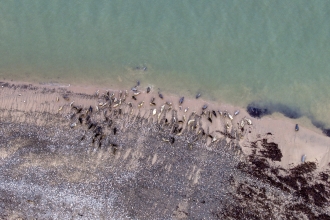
x: 232, y: 51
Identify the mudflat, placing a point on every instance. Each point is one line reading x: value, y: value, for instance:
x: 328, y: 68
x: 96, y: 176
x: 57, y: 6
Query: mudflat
x: 91, y: 153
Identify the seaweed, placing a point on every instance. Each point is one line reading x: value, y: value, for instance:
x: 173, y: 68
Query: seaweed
x: 301, y: 181
x: 271, y: 151
x: 301, y: 169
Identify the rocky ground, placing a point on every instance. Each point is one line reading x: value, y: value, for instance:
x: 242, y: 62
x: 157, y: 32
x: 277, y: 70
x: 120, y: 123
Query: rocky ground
x: 80, y: 163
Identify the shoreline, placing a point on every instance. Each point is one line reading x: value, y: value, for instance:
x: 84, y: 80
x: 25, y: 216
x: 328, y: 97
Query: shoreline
x: 294, y: 144
x: 256, y: 108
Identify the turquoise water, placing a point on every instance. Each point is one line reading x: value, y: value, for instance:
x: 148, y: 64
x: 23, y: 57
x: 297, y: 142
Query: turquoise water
x: 231, y: 51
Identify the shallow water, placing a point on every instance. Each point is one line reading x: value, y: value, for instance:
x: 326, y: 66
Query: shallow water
x: 231, y: 51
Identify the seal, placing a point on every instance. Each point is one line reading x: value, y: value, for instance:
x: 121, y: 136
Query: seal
x: 204, y: 107
x: 160, y: 95
x: 214, y: 113
x: 148, y: 89
x: 168, y: 103
x: 297, y: 127
x: 141, y: 104
x: 181, y: 100
x: 248, y: 121
x: 162, y: 108
x: 198, y: 95
x: 152, y: 102
x: 190, y: 121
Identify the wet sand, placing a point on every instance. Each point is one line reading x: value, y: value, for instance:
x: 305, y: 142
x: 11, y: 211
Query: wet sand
x: 120, y: 161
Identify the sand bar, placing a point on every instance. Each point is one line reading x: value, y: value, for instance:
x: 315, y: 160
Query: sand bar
x: 112, y: 152
x: 310, y: 142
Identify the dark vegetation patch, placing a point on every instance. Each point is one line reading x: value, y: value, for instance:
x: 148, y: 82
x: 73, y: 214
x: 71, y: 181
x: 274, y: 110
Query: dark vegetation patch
x: 315, y: 193
x: 271, y: 151
x: 324, y: 176
x: 309, y: 189
x: 303, y: 168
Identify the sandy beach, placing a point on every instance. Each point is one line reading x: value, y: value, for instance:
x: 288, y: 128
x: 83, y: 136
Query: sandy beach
x: 123, y: 154
x: 307, y: 141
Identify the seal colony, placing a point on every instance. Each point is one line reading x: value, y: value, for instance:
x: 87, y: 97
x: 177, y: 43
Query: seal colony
x: 141, y: 154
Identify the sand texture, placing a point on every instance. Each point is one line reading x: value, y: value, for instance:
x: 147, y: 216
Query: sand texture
x: 70, y: 152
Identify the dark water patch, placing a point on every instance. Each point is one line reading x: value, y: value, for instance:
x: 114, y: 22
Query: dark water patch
x: 257, y: 111
x: 290, y: 112
x: 260, y: 109
x: 320, y: 125
x: 326, y: 132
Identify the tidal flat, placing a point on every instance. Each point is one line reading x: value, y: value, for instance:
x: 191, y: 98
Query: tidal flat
x: 100, y: 154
